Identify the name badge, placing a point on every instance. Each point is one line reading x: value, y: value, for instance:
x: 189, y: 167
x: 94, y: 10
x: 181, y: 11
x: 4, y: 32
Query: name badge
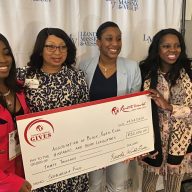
x: 32, y: 83
x: 14, y: 145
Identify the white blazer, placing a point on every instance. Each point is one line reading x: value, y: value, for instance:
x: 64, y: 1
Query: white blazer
x: 128, y: 74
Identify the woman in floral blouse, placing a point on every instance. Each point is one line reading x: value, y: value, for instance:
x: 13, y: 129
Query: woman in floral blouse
x: 166, y: 72
x: 51, y: 81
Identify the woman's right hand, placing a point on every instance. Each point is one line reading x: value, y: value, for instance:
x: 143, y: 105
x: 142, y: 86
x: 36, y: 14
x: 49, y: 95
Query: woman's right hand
x: 159, y: 100
x: 26, y: 187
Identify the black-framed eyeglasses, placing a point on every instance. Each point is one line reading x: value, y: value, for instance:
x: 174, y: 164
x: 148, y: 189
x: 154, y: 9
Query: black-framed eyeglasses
x: 53, y: 48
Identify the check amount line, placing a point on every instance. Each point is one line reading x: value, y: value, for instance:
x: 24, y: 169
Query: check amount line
x: 136, y: 135
x: 91, y: 153
x: 77, y: 161
x: 89, y: 149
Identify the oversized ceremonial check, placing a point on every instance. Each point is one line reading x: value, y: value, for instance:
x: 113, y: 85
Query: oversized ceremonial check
x: 69, y: 141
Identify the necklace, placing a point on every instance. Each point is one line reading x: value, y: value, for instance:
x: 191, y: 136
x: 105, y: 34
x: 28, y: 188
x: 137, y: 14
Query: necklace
x: 104, y: 68
x: 107, y: 69
x: 6, y: 94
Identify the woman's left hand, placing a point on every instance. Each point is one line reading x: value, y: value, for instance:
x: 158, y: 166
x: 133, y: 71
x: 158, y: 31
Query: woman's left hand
x: 159, y: 100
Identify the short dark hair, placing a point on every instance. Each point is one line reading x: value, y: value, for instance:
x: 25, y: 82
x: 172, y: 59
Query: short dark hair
x: 36, y: 58
x: 150, y: 65
x: 10, y: 81
x: 103, y: 26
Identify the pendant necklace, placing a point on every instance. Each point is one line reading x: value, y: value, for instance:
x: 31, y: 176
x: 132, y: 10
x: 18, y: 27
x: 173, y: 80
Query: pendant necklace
x: 105, y: 69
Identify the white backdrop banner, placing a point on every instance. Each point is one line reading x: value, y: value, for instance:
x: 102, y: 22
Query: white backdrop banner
x: 139, y: 20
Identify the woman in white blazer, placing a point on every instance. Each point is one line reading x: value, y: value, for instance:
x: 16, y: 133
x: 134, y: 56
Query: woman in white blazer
x: 108, y: 75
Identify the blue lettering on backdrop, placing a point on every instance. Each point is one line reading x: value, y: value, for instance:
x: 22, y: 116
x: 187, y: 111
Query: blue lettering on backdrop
x: 87, y: 38
x: 73, y: 38
x: 128, y: 4
x: 132, y: 5
x: 147, y: 38
x: 113, y: 2
x: 42, y: 0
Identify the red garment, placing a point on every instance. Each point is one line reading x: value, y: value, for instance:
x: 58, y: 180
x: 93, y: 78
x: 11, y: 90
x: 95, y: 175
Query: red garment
x: 11, y: 172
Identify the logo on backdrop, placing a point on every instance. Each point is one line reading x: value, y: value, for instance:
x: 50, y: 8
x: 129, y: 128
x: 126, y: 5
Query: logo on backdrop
x: 113, y: 2
x: 42, y: 0
x: 132, y: 5
x: 87, y: 38
x: 147, y: 38
x: 73, y: 38
x: 38, y: 131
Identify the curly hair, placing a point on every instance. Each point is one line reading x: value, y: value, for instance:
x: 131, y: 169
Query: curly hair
x: 36, y: 58
x: 149, y: 66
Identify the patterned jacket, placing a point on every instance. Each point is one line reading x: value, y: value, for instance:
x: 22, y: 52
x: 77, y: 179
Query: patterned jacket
x: 179, y: 124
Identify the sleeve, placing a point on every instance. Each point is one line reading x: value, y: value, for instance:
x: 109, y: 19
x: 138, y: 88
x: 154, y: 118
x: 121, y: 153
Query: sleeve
x: 83, y: 88
x: 81, y: 66
x: 10, y: 182
x: 181, y: 124
x: 136, y: 84
x: 181, y: 134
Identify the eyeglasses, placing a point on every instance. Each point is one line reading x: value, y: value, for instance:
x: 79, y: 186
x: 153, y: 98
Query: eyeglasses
x: 53, y: 48
x: 169, y: 46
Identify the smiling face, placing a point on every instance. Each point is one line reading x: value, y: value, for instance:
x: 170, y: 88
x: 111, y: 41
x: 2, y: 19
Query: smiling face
x: 169, y: 50
x: 110, y: 43
x: 5, y: 61
x: 54, y: 53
